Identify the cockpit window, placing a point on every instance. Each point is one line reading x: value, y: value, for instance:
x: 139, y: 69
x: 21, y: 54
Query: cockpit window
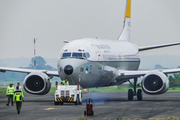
x: 77, y: 55
x: 66, y: 55
x: 81, y: 55
x: 84, y: 55
x: 87, y: 55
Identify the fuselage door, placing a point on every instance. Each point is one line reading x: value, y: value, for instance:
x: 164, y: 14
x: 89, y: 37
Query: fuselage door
x: 97, y: 52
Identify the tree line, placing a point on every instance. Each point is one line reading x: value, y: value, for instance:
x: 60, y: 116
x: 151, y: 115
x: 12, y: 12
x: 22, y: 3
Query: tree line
x: 174, y: 80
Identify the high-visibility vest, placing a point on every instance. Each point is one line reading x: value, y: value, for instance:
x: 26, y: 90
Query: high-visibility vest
x: 18, y: 96
x: 10, y: 90
x: 65, y: 83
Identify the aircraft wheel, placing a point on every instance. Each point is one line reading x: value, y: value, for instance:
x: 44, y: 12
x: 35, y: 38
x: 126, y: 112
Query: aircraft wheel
x: 139, y: 94
x: 130, y: 94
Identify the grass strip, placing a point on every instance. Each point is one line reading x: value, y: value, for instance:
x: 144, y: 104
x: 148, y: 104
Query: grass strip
x: 100, y: 89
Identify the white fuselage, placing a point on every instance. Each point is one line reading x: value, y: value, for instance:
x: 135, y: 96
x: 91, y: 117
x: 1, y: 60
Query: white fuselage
x: 95, y: 62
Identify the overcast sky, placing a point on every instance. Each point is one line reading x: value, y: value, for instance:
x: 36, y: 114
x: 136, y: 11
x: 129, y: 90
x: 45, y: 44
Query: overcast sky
x: 52, y: 21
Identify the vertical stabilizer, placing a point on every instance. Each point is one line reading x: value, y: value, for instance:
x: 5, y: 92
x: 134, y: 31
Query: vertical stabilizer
x: 125, y: 34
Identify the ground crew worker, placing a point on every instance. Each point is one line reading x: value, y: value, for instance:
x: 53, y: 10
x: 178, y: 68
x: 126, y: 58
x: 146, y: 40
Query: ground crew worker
x: 10, y: 93
x: 20, y: 89
x: 18, y: 97
x: 65, y: 82
x: 56, y: 84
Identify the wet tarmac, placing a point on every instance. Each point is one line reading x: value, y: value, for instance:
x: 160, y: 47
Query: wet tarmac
x: 111, y: 105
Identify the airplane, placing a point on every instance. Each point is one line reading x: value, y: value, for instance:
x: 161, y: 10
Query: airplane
x: 101, y: 63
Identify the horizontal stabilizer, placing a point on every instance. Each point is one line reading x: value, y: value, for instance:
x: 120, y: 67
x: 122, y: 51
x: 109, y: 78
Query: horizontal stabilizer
x: 157, y: 46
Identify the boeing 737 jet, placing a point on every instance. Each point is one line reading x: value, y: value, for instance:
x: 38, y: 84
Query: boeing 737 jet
x: 99, y: 63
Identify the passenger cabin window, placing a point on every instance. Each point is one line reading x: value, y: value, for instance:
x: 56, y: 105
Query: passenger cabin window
x: 66, y: 55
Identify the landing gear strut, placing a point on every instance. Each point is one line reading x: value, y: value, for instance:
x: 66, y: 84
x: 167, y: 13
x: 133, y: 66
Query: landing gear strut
x: 132, y: 93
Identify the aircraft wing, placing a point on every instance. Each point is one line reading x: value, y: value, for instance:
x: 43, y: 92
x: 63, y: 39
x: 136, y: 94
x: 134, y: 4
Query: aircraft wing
x: 157, y: 46
x: 126, y: 74
x: 49, y: 73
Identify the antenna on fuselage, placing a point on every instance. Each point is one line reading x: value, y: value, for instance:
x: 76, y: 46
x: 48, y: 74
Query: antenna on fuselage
x: 65, y: 41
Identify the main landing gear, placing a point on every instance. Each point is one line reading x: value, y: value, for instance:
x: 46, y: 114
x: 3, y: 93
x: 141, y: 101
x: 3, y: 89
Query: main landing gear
x: 132, y: 93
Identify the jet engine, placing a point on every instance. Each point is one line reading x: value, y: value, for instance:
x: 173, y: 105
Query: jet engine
x: 37, y: 83
x: 155, y: 82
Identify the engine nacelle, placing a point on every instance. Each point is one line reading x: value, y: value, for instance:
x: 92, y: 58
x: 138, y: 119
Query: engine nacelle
x: 155, y: 82
x: 37, y: 83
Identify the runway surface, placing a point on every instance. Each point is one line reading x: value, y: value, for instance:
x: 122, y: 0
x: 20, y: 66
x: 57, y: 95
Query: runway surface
x: 106, y: 106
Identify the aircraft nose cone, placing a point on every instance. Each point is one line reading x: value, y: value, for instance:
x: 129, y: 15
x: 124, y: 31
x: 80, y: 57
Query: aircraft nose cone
x: 68, y: 69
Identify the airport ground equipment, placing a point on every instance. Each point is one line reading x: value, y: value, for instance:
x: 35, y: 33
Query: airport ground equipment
x: 68, y: 94
x: 89, y: 107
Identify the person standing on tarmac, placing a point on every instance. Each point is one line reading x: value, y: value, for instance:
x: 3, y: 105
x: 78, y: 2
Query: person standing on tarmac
x: 65, y: 82
x: 10, y: 93
x: 18, y: 97
x: 20, y: 89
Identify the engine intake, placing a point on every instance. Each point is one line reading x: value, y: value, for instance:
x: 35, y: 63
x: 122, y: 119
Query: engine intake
x: 37, y: 83
x: 155, y: 83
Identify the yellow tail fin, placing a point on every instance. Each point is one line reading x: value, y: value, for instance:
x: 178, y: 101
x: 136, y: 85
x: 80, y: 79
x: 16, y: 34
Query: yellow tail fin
x: 128, y: 9
x: 125, y: 34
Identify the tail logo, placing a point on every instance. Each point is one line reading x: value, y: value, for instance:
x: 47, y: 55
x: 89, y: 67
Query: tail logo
x: 128, y: 9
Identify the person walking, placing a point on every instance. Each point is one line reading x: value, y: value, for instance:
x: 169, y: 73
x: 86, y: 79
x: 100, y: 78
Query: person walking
x: 20, y: 89
x: 18, y: 97
x: 65, y: 82
x: 10, y: 93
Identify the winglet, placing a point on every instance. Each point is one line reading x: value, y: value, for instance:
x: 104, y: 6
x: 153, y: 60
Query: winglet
x: 125, y: 34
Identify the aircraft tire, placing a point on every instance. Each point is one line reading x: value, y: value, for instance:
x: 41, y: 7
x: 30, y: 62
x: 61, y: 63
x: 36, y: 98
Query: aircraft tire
x: 130, y: 94
x: 139, y: 94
